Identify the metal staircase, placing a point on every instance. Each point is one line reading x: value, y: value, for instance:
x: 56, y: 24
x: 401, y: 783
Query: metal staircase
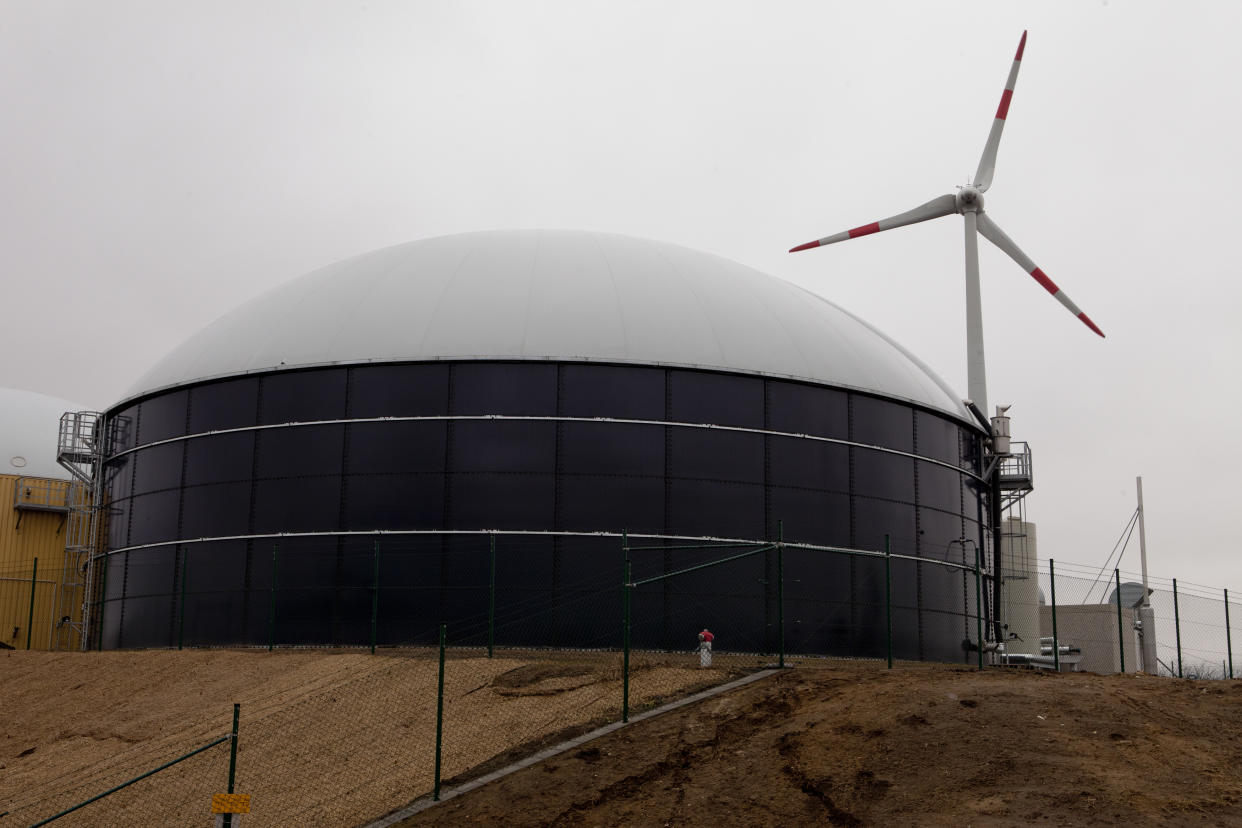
x: 80, y: 451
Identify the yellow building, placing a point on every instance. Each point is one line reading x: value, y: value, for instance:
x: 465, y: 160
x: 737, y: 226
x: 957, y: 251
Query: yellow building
x: 35, y: 493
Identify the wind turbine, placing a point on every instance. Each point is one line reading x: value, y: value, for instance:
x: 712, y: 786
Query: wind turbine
x: 968, y: 201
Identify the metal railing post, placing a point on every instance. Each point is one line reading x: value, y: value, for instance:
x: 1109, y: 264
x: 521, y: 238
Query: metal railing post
x: 1056, y: 641
x: 271, y: 610
x: 1177, y: 627
x: 1121, y: 636
x: 888, y: 597
x: 34, y: 574
x: 780, y: 589
x: 491, y: 601
x: 435, y: 796
x: 185, y: 571
x: 979, y: 607
x: 1228, y: 634
x: 375, y: 599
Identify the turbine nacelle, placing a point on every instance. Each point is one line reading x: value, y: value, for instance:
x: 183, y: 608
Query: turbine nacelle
x: 969, y: 200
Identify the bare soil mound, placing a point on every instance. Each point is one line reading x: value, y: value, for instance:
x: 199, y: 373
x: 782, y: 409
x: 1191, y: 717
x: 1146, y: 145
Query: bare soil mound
x: 840, y: 743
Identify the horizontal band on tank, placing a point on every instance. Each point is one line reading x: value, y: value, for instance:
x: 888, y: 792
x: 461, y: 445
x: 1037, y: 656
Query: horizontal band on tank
x: 551, y: 419
x: 706, y: 539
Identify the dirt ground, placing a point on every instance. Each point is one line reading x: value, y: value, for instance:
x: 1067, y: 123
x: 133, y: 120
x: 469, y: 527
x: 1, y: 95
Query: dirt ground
x: 840, y: 743
x: 326, y: 738
x: 331, y: 738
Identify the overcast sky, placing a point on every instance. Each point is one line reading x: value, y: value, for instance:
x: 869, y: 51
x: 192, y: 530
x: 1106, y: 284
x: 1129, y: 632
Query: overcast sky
x: 162, y: 162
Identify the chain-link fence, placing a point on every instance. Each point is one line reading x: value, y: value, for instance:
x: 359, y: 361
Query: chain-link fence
x: 544, y: 645
x: 31, y: 597
x: 1103, y: 622
x: 167, y: 780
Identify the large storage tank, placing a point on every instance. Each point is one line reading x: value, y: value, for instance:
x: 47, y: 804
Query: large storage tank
x: 545, y: 382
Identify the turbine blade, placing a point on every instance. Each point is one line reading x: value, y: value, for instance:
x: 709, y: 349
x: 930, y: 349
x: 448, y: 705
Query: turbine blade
x: 937, y: 207
x: 987, y: 163
x: 990, y: 231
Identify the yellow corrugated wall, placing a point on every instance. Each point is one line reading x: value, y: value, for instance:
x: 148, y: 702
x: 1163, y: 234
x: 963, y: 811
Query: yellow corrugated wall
x: 40, y: 535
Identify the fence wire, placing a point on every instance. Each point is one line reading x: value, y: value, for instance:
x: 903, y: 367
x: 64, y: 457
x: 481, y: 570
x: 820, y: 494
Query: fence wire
x: 525, y: 666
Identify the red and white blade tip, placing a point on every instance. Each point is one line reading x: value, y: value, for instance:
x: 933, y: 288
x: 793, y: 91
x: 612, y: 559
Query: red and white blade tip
x: 1021, y: 46
x: 806, y: 246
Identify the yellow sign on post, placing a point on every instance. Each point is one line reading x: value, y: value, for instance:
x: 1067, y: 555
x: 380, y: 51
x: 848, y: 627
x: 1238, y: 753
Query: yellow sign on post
x: 230, y: 803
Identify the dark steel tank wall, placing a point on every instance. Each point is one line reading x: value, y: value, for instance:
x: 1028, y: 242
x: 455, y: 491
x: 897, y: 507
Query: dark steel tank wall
x: 532, y: 475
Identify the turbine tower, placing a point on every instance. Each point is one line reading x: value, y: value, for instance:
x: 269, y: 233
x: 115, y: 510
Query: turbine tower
x: 968, y: 201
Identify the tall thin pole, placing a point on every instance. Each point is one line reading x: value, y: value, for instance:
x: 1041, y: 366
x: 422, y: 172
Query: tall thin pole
x: 103, y: 598
x: 375, y: 599
x: 1056, y: 641
x: 271, y: 610
x: 228, y: 818
x: 625, y: 636
x: 888, y: 596
x: 1121, y: 637
x: 1142, y: 540
x: 34, y: 574
x: 185, y: 572
x: 976, y: 373
x: 1177, y: 627
x: 491, y: 604
x: 780, y: 588
x: 979, y: 606
x: 439, y: 716
x: 1228, y: 634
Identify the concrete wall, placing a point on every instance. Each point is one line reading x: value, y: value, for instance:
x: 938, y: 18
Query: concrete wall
x: 1093, y: 629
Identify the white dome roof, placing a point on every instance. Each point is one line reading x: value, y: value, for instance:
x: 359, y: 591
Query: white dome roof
x: 29, y: 431
x: 552, y: 295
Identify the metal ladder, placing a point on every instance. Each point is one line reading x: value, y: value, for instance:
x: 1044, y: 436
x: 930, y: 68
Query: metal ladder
x: 80, y: 451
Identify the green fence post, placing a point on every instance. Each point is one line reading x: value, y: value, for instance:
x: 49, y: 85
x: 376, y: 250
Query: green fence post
x: 375, y: 599
x: 888, y: 597
x: 1228, y: 634
x: 1121, y: 637
x: 271, y: 611
x: 491, y: 601
x: 228, y: 818
x: 979, y: 607
x: 34, y: 573
x: 625, y: 634
x: 435, y: 796
x: 780, y: 588
x: 1177, y: 626
x: 103, y: 599
x: 185, y: 571
x: 1056, y: 642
